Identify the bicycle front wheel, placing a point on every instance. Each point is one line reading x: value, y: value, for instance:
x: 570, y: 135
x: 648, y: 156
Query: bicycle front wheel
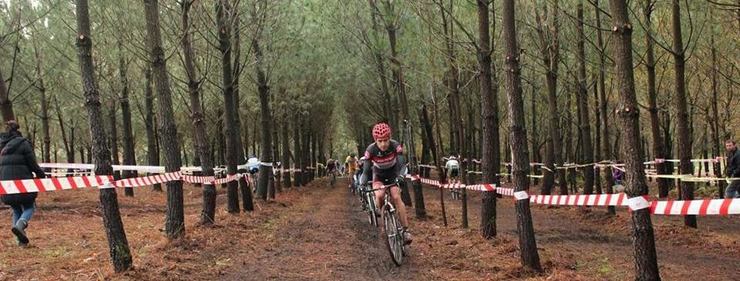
x: 370, y: 205
x: 393, y: 235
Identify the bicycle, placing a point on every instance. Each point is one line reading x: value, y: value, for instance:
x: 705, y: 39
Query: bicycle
x: 392, y: 228
x: 367, y: 198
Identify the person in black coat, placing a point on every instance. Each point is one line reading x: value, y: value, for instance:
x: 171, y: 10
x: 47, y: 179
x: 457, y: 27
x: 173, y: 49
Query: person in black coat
x: 732, y: 170
x: 17, y: 161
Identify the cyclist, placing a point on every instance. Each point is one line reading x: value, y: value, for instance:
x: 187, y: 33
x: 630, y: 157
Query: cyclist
x: 453, y: 173
x: 253, y: 166
x: 351, y: 164
x: 331, y: 168
x: 383, y: 157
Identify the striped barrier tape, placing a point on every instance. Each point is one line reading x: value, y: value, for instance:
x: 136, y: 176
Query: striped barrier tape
x: 53, y: 184
x: 70, y: 183
x: 701, y: 207
x: 148, y: 180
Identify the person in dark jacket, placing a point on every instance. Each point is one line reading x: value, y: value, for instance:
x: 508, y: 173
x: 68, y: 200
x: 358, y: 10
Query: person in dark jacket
x: 732, y: 170
x: 17, y: 161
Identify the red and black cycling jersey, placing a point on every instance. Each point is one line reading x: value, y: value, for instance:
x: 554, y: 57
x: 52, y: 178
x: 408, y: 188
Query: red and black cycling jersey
x: 386, y: 165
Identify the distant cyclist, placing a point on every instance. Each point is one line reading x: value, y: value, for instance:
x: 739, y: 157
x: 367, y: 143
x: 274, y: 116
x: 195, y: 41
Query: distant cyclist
x: 383, y: 158
x: 453, y: 174
x: 331, y: 170
x: 351, y: 164
x: 253, y: 166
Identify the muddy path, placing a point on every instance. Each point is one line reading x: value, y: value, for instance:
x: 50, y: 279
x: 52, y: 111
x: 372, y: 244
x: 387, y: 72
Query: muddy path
x: 326, y: 237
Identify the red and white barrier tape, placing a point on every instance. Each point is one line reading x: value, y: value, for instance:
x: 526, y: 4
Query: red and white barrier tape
x: 148, y: 180
x: 52, y: 184
x: 67, y: 183
x: 722, y: 207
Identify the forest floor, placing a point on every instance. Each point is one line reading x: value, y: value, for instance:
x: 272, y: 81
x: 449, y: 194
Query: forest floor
x: 319, y: 233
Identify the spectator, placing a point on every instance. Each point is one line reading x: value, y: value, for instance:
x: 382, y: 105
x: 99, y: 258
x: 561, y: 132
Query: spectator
x: 618, y: 176
x: 17, y: 161
x: 732, y: 170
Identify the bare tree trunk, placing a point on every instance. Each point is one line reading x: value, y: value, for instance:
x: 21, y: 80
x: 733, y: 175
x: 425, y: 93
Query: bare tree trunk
x: 297, y: 151
x: 232, y: 142
x: 68, y: 144
x: 716, y: 143
x: 152, y: 152
x: 6, y: 104
x: 246, y: 192
x: 114, y: 136
x: 117, y: 242
x: 586, y: 144
x: 129, y: 155
x: 200, y: 140
x: 518, y: 134
x: 682, y: 126
x: 266, y: 119
x: 551, y: 58
x: 380, y: 66
x: 658, y: 150
x: 451, y: 81
x: 39, y: 84
x: 491, y: 160
x: 391, y: 26
x: 175, y: 218
x: 286, y: 154
x: 603, y: 104
x: 643, y: 240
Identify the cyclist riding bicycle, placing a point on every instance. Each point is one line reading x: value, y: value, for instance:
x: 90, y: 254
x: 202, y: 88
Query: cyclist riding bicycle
x: 383, y: 158
x: 453, y: 174
x: 351, y: 164
x: 331, y: 166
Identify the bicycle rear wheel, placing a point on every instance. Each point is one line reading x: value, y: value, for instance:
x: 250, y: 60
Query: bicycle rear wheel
x: 394, y: 237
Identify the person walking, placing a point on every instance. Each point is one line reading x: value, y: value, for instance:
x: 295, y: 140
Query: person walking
x: 732, y: 170
x: 17, y: 161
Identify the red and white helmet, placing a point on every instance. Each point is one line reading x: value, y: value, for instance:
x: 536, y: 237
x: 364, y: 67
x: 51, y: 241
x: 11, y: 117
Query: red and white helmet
x: 381, y: 131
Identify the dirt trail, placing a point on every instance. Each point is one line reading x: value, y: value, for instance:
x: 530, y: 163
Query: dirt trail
x: 320, y: 233
x: 325, y: 237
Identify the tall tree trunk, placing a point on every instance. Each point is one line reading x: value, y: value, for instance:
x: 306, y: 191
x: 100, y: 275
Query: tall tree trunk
x: 603, y: 104
x: 246, y: 192
x: 224, y: 34
x: 491, y: 160
x: 39, y: 84
x: 438, y: 150
x: 658, y: 150
x: 391, y: 26
x: 6, y: 104
x: 597, y: 141
x: 451, y: 80
x: 266, y: 120
x: 114, y: 136
x: 715, y: 139
x: 117, y: 243
x: 518, y: 135
x: 684, y: 133
x: 286, y: 154
x: 175, y: 219
x: 200, y: 139
x: 391, y: 114
x: 297, y: 151
x: 129, y: 155
x: 152, y: 151
x: 68, y: 144
x: 586, y: 144
x: 643, y: 240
